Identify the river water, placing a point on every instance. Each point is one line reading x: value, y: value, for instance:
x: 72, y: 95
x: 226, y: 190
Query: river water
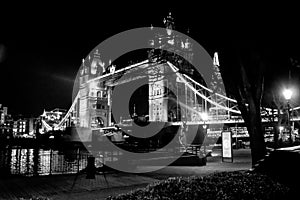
x: 20, y: 161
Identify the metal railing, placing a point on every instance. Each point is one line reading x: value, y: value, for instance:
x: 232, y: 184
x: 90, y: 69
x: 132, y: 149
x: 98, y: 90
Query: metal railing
x: 34, y: 162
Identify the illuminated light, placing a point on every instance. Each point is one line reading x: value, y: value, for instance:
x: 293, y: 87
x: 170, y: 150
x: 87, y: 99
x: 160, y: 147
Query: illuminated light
x: 112, y: 69
x: 216, y: 59
x: 151, y: 42
x: 171, y: 42
x: 187, y: 44
x: 204, y: 116
x: 169, y: 32
x: 287, y: 93
x: 281, y: 128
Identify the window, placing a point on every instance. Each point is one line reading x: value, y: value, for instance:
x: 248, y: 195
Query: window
x: 98, y: 106
x: 97, y: 122
x: 99, y: 94
x: 100, y: 121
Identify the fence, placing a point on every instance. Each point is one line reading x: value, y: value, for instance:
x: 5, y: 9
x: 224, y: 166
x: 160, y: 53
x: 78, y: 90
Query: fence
x: 31, y: 162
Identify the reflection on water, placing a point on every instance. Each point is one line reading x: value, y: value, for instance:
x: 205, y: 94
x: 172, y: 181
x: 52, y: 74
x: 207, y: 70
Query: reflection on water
x: 45, y: 162
x: 40, y: 161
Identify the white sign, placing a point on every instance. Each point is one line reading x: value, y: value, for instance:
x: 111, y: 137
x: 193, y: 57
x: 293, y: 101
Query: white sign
x: 226, y: 144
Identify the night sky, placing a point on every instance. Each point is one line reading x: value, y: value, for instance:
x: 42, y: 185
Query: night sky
x: 41, y: 51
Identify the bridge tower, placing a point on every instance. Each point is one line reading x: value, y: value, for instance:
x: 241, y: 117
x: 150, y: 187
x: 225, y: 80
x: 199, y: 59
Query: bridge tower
x: 163, y: 104
x: 158, y: 99
x: 175, y: 44
x: 93, y: 100
x: 170, y: 100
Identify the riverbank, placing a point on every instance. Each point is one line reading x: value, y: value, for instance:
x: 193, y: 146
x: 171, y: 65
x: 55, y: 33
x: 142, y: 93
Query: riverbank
x: 59, y: 187
x: 33, y: 143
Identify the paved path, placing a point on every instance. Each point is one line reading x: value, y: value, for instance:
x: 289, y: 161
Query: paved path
x: 241, y: 161
x: 59, y: 187
x: 54, y: 186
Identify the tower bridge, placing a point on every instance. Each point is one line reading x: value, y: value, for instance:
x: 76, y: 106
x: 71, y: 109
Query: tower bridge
x: 173, y: 97
x: 173, y: 94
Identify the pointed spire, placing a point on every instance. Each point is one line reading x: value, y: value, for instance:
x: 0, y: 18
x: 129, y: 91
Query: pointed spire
x: 216, y: 59
x: 169, y: 23
x: 216, y: 83
x: 44, y: 113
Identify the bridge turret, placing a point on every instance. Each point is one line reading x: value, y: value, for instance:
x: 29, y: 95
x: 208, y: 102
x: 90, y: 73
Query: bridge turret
x: 97, y: 65
x: 84, y: 76
x: 169, y: 23
x: 175, y: 44
x: 93, y: 99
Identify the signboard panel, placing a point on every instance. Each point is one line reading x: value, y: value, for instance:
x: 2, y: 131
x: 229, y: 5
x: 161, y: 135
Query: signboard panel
x: 226, y: 144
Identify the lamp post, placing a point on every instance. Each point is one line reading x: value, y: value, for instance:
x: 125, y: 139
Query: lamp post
x: 204, y: 117
x: 236, y: 138
x: 287, y: 93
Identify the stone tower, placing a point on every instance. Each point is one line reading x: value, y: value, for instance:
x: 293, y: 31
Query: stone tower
x: 93, y: 106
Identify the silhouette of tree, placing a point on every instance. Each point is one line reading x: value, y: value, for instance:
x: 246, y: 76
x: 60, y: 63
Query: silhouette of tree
x: 244, y: 72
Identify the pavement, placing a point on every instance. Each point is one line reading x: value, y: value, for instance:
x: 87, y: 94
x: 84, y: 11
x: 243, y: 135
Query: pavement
x: 60, y: 187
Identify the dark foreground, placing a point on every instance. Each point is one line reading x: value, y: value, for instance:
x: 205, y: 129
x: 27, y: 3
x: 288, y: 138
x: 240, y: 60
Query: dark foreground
x: 59, y: 187
x: 224, y: 185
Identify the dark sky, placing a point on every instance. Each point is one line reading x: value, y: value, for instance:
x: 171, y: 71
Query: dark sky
x: 41, y: 50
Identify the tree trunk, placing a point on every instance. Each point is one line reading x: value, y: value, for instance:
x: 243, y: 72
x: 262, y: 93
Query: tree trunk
x: 252, y: 114
x: 256, y: 134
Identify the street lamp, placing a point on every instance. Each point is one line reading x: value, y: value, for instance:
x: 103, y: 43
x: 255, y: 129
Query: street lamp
x: 287, y: 93
x: 281, y: 128
x: 204, y: 117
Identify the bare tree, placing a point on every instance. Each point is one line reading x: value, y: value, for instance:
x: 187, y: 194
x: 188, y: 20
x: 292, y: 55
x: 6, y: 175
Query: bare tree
x: 244, y: 74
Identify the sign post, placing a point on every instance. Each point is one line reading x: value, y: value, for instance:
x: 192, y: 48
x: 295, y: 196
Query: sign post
x: 227, y: 145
